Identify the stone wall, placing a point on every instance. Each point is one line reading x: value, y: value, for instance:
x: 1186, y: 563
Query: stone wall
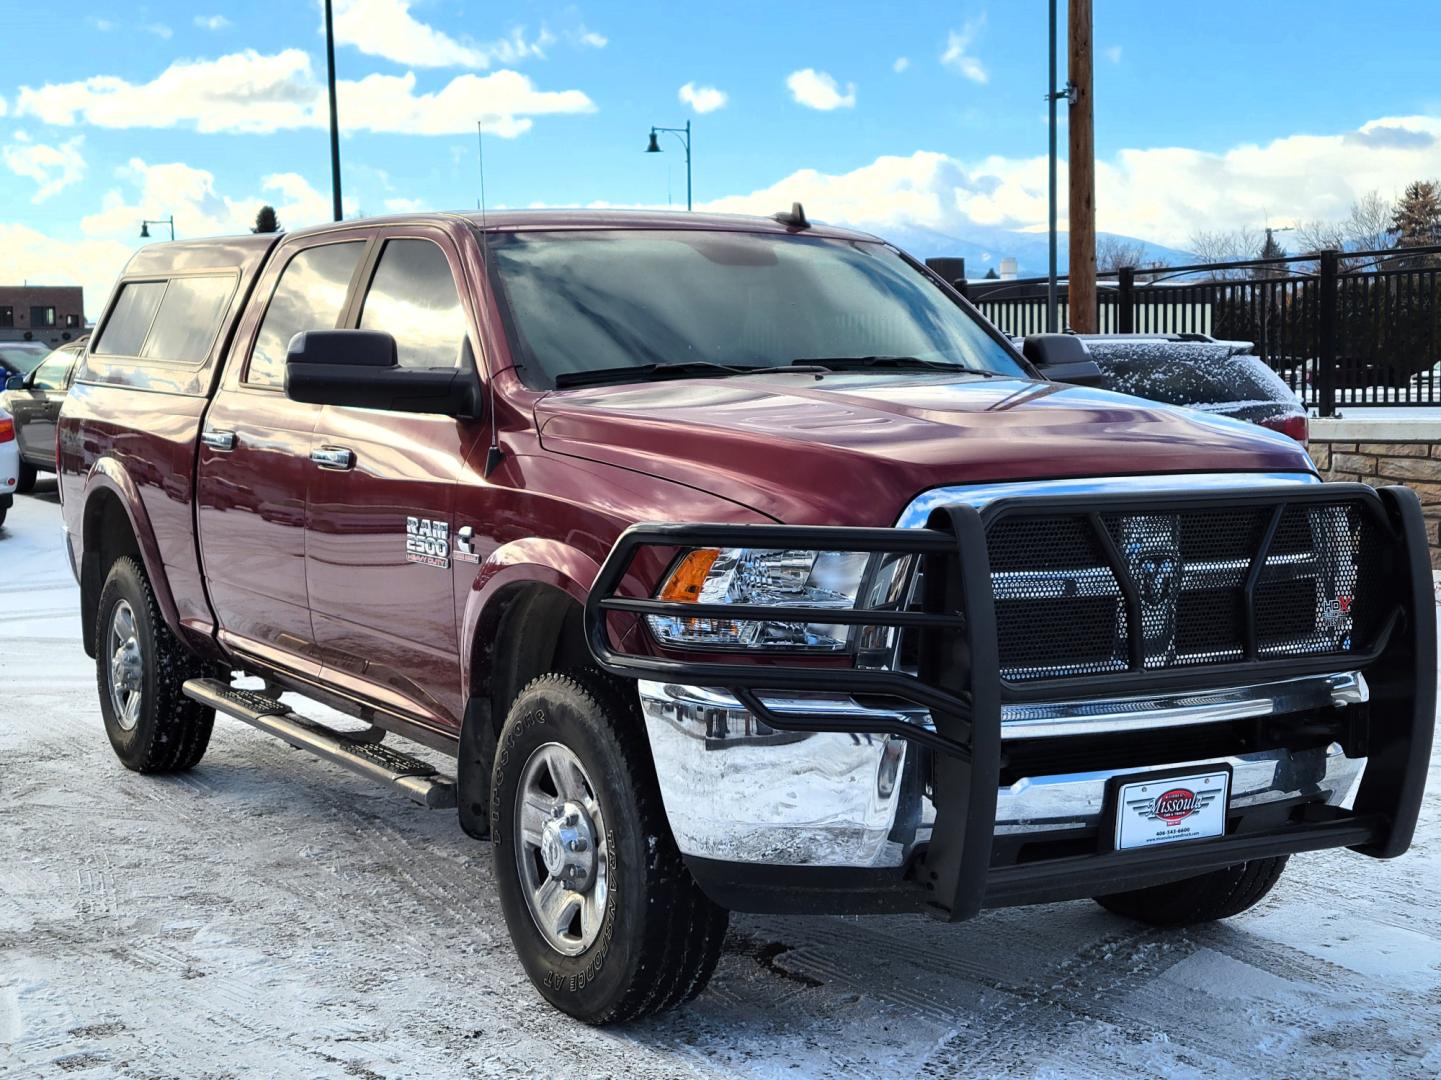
x: 1381, y: 452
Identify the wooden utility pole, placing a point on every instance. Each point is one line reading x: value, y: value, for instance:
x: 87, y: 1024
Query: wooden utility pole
x: 1081, y: 290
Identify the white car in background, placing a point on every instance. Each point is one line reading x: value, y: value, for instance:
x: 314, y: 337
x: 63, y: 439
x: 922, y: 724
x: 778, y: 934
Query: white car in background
x: 9, y: 463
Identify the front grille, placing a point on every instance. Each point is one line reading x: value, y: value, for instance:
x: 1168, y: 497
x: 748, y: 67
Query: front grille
x: 1083, y: 593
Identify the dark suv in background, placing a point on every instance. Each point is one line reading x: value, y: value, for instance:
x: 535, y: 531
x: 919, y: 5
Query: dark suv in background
x: 34, y: 401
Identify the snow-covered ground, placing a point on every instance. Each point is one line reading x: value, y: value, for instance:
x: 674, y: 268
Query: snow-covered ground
x: 269, y: 915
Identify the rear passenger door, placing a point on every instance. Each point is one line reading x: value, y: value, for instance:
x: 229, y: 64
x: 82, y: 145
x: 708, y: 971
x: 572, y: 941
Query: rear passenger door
x: 382, y: 497
x: 255, y: 459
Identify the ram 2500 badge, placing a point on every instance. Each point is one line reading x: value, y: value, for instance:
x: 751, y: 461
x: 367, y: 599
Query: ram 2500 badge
x: 740, y: 566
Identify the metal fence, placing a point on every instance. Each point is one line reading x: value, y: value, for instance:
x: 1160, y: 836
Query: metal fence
x: 1342, y: 328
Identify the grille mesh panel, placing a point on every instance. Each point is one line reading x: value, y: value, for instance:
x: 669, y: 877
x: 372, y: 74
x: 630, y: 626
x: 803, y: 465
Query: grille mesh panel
x: 1061, y: 608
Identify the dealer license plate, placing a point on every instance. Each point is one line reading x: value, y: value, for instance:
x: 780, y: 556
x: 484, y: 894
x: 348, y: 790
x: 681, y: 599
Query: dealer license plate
x: 1171, y: 808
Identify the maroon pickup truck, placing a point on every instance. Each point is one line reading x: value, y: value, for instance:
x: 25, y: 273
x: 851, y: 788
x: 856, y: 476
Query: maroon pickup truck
x: 739, y: 565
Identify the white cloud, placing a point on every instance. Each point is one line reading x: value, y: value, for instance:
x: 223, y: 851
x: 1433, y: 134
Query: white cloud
x: 3, y: 107
x: 160, y: 30
x: 103, y: 25
x: 254, y: 92
x: 1113, y: 54
x: 386, y: 28
x: 902, y: 62
x: 26, y: 254
x: 404, y: 206
x: 110, y: 235
x: 591, y: 39
x: 53, y: 168
x: 212, y: 22
x: 1161, y: 194
x: 818, y: 90
x: 702, y: 99
x: 957, y: 55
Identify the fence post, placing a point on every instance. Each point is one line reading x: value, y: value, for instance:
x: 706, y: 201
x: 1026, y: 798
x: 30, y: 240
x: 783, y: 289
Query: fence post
x: 1326, y: 333
x: 1125, y: 301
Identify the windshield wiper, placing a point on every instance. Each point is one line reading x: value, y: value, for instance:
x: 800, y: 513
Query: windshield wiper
x: 650, y: 372
x: 862, y: 363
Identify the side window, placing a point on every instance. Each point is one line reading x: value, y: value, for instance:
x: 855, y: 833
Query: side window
x: 412, y: 297
x: 309, y: 296
x: 189, y: 318
x: 50, y: 375
x: 124, y: 332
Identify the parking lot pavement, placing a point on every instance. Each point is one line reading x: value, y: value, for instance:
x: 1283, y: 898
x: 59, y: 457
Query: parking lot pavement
x: 267, y: 914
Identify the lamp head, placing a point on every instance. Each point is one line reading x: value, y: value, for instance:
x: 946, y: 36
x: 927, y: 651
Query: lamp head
x: 654, y: 147
x: 145, y: 230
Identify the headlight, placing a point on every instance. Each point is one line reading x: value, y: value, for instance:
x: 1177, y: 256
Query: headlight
x: 773, y: 578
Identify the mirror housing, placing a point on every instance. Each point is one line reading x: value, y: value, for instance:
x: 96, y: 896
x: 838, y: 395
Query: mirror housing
x: 1064, y: 358
x: 358, y: 368
x: 15, y: 382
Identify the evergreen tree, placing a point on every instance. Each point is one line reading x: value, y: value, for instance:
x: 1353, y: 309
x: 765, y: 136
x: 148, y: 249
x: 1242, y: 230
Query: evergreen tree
x: 266, y: 221
x: 1272, y: 248
x: 1416, y: 222
x: 991, y: 275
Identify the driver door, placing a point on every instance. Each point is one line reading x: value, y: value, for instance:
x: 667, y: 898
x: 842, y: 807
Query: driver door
x: 383, y: 489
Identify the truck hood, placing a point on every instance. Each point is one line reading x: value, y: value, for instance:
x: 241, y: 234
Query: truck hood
x: 856, y: 448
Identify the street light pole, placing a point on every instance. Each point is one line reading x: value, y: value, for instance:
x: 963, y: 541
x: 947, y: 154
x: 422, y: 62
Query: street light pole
x: 334, y: 120
x: 145, y: 226
x: 1051, y: 96
x: 684, y: 135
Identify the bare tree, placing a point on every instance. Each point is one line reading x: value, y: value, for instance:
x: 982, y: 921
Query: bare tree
x: 1368, y: 227
x: 1221, y: 246
x: 1114, y: 252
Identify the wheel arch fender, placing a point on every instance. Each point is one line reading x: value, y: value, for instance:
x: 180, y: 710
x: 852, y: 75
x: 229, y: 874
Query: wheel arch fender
x: 531, y: 563
x: 114, y: 522
x: 542, y: 585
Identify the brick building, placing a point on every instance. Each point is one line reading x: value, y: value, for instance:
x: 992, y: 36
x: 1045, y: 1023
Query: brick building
x: 48, y: 313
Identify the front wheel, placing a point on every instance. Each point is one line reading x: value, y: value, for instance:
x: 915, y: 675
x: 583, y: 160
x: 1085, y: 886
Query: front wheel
x: 1217, y: 895
x: 606, y: 919
x: 140, y: 667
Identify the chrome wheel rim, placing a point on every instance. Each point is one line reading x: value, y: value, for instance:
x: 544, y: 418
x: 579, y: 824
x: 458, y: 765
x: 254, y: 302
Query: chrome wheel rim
x: 560, y: 849
x: 127, y: 667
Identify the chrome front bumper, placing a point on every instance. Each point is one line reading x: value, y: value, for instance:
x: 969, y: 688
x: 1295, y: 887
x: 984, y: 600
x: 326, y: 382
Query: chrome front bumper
x: 737, y: 791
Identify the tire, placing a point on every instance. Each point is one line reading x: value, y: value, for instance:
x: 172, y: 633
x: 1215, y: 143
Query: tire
x: 162, y: 730
x: 25, y: 483
x: 653, y: 938
x: 1217, y: 895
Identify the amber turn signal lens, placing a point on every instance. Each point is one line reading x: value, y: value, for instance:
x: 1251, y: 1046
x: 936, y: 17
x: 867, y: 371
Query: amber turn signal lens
x: 685, y: 581
x: 7, y: 429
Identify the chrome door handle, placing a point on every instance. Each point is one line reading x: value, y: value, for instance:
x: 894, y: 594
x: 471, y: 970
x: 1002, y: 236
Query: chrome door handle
x: 333, y: 457
x: 218, y: 440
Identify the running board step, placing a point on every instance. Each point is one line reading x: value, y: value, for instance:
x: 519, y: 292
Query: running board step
x: 419, y: 781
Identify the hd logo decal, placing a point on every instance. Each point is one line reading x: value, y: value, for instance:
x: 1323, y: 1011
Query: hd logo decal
x: 427, y: 542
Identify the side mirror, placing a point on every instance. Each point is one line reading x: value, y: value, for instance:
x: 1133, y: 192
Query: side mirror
x: 358, y: 368
x: 15, y: 382
x: 1064, y: 358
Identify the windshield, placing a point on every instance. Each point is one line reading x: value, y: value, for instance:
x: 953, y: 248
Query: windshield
x: 591, y: 301
x: 21, y: 358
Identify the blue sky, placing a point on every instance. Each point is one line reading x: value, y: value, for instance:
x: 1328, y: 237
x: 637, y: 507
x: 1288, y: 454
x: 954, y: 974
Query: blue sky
x: 893, y: 116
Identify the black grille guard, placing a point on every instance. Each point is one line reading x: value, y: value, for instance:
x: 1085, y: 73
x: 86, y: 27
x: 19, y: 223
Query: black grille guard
x: 958, y: 677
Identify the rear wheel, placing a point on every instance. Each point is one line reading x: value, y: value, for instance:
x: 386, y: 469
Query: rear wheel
x: 605, y: 917
x: 140, y: 668
x: 1217, y: 895
x: 25, y: 483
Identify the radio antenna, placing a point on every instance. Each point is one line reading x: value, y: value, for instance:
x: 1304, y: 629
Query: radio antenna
x: 493, y: 455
